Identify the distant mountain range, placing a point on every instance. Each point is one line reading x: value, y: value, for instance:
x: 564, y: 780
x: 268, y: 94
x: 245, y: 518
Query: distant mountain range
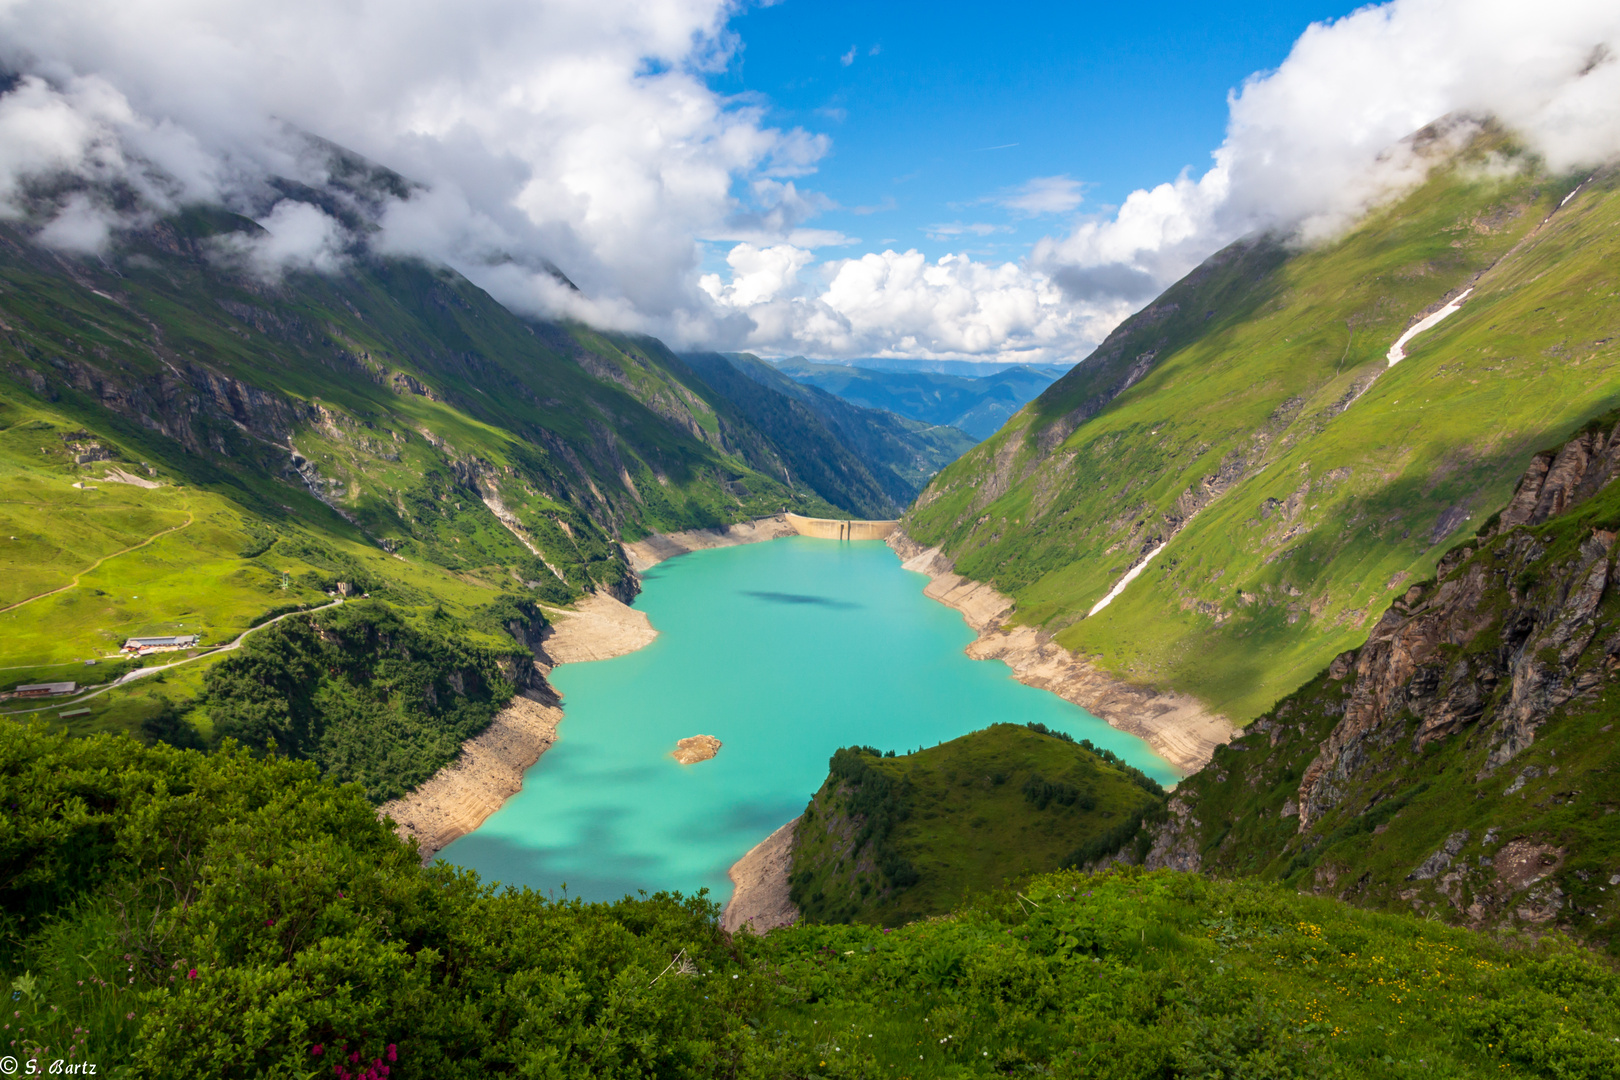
x: 873, y: 461
x: 967, y: 369
x: 977, y: 398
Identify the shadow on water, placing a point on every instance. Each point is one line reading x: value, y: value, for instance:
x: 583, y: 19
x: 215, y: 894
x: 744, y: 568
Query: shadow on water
x: 760, y: 818
x: 607, y: 874
x: 797, y: 598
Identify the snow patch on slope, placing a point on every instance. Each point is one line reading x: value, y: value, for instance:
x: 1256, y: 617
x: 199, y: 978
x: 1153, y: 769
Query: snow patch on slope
x: 1129, y: 577
x: 1397, y: 351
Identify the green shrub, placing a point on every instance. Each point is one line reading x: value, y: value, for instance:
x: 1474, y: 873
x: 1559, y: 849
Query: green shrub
x: 357, y: 691
x: 167, y: 913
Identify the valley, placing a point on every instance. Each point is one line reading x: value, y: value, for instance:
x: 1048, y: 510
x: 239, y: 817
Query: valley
x: 531, y: 697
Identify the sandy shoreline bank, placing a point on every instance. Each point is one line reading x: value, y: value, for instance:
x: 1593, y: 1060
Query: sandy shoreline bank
x: 490, y: 769
x: 1176, y: 726
x: 649, y: 552
x: 455, y: 800
x: 759, y: 895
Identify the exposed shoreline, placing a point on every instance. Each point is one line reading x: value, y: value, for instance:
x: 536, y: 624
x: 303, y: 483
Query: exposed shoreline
x: 1177, y: 726
x: 489, y: 770
x: 759, y: 894
x: 652, y: 550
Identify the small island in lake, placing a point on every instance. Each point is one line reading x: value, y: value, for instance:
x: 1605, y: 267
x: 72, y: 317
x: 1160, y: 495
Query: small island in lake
x: 696, y: 748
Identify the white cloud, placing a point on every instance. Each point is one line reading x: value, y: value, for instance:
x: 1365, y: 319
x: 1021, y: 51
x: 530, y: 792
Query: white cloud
x: 758, y: 275
x: 902, y: 304
x: 80, y: 226
x: 297, y: 236
x: 1313, y: 144
x: 580, y: 134
x: 1043, y: 195
x: 946, y: 230
x: 849, y: 58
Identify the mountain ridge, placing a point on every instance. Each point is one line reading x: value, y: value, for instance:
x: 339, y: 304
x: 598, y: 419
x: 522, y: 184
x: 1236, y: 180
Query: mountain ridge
x: 1250, y: 414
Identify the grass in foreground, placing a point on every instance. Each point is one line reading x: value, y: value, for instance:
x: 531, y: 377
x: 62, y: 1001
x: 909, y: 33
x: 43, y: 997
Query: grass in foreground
x: 169, y: 913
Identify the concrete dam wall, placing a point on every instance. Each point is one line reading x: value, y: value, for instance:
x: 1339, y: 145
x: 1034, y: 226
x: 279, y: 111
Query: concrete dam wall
x: 834, y: 529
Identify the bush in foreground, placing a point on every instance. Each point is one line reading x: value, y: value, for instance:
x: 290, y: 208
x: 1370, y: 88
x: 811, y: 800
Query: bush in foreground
x: 170, y: 913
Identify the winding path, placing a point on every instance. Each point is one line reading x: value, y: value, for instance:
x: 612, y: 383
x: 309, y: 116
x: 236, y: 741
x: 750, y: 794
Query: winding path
x: 112, y: 555
x: 140, y: 673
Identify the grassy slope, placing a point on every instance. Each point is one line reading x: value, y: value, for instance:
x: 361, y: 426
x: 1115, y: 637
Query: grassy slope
x: 1253, y: 358
x: 964, y: 823
x: 807, y: 446
x: 408, y: 396
x: 903, y: 454
x: 288, y: 916
x: 1401, y: 806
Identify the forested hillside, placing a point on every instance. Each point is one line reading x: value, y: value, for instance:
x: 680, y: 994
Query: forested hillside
x: 1248, y: 431
x: 891, y: 839
x: 902, y: 454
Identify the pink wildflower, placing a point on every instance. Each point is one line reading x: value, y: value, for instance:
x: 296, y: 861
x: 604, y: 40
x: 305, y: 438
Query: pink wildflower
x: 393, y: 1052
x: 317, y: 1049
x: 192, y: 974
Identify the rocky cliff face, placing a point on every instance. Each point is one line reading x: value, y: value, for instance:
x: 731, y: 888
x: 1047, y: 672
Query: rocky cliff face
x: 1461, y: 758
x: 1544, y: 618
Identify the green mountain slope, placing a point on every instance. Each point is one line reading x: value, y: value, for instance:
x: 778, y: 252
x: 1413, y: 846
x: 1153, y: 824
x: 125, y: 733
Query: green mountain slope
x: 186, y: 448
x: 888, y: 839
x: 902, y: 454
x: 1249, y: 417
x: 1461, y: 762
x: 173, y: 914
x: 808, y: 447
x: 977, y: 406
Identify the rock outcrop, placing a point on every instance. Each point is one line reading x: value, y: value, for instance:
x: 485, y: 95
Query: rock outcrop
x: 1545, y: 626
x: 1452, y: 761
x: 455, y: 800
x: 760, y: 899
x: 696, y: 748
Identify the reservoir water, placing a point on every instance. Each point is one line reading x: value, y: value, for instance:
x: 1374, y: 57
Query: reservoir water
x: 784, y: 651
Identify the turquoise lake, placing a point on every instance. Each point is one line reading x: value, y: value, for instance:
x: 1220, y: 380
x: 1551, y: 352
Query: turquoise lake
x: 784, y: 651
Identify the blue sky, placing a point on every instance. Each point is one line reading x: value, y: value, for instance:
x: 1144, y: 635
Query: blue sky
x: 938, y: 112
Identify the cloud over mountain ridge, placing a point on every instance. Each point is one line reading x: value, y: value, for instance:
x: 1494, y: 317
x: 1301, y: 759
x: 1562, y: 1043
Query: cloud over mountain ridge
x: 584, y: 135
